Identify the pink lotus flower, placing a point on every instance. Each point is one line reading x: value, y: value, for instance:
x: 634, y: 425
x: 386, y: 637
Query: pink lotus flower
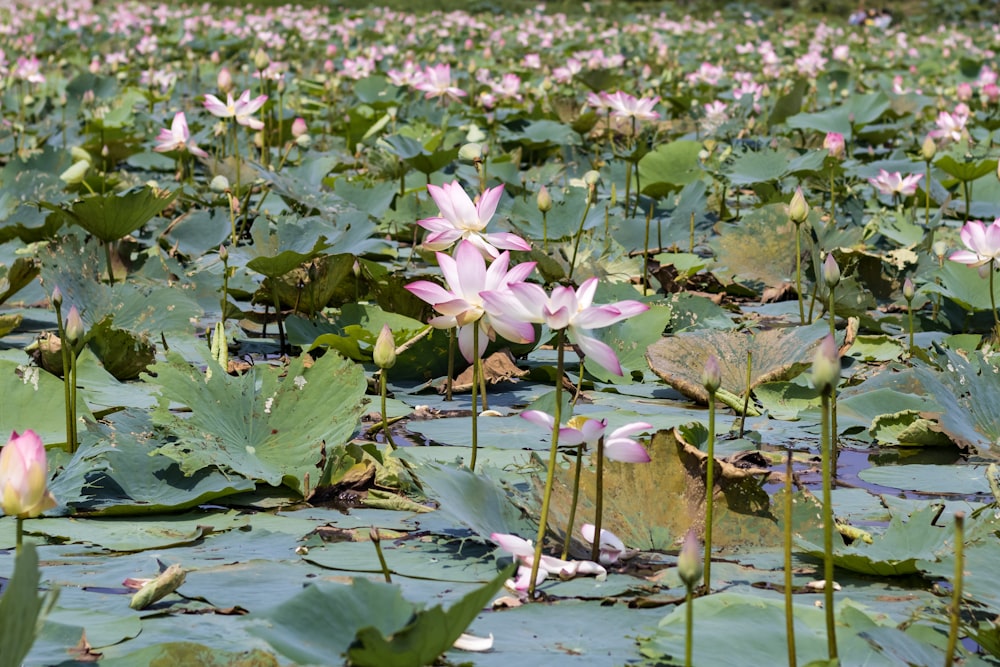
x: 570, y: 310
x: 982, y: 241
x: 461, y: 219
x: 436, y: 82
x: 611, y: 547
x: 834, y: 144
x: 23, y: 476
x: 177, y: 138
x: 242, y: 109
x: 462, y: 305
x: 524, y: 551
x: 617, y: 446
x: 626, y: 106
x: 895, y: 183
x: 951, y: 125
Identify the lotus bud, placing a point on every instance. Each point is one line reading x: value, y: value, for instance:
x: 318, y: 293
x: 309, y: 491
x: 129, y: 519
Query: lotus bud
x: 303, y: 141
x: 711, y: 376
x: 299, y: 127
x: 834, y: 143
x: 831, y: 271
x: 592, y: 177
x: 260, y: 60
x: 78, y: 154
x: 74, y: 326
x: 76, y: 173
x: 826, y: 365
x: 689, y: 562
x: 223, y: 253
x: 384, y: 353
x: 219, y: 184
x: 928, y: 149
x: 940, y: 248
x: 23, y: 476
x: 798, y: 209
x: 908, y: 291
x: 471, y: 152
x: 544, y: 200
x: 224, y: 80
x: 57, y: 297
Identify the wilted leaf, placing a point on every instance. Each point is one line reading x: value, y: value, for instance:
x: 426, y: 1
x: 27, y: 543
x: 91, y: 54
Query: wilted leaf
x: 778, y: 354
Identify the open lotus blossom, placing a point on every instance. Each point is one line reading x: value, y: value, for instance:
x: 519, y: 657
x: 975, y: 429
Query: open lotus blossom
x: 524, y: 551
x: 623, y: 105
x: 895, y: 183
x: 242, y: 109
x: 617, y: 446
x: 982, y: 241
x: 462, y: 305
x: 570, y: 310
x: 23, y: 476
x: 951, y: 125
x: 461, y: 219
x: 611, y: 547
x: 177, y: 138
x: 436, y: 82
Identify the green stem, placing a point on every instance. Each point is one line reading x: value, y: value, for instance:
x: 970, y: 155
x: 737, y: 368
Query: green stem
x: 798, y: 271
x: 551, y: 472
x: 965, y: 190
x: 573, y: 503
x: 595, y: 549
x: 909, y: 314
x: 381, y: 557
x: 927, y: 202
x: 691, y: 240
x: 645, y: 253
x: 385, y: 420
x: 789, y: 615
x: 954, y: 611
x: 545, y: 232
x: 689, y: 627
x: 475, y: 395
x: 993, y: 298
x: 746, y: 397
x: 18, y: 534
x: 451, y: 364
x: 579, y: 233
x: 64, y: 352
x: 107, y: 260
x: 72, y: 399
x: 827, y: 455
x: 833, y: 202
x: 709, y: 492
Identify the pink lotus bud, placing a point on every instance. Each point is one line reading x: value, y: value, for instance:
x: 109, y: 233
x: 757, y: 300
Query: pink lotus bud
x: 689, y: 562
x: 826, y: 365
x: 74, y: 326
x: 224, y: 80
x: 711, y: 377
x: 834, y: 143
x: 23, y: 476
x: 299, y: 127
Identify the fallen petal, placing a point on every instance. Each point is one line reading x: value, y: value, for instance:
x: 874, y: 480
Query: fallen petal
x: 467, y: 642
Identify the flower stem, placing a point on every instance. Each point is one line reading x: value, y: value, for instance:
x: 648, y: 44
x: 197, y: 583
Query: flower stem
x: 66, y: 362
x: 573, y: 503
x: 798, y: 271
x: 579, y: 233
x: 595, y: 549
x: 709, y: 492
x: 451, y: 364
x: 385, y: 419
x: 18, y: 534
x: 645, y: 253
x: 954, y: 610
x: 689, y: 627
x: 833, y: 202
x: 550, y: 475
x: 909, y: 314
x: 827, y: 455
x: 927, y: 202
x: 107, y: 259
x: 475, y: 395
x: 789, y: 616
x: 993, y: 298
x: 386, y: 572
x: 545, y: 232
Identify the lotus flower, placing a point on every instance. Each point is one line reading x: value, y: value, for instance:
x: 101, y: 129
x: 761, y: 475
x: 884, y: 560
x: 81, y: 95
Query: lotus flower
x: 23, y: 476
x: 177, y: 138
x: 461, y: 219
x: 895, y: 183
x: 982, y: 241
